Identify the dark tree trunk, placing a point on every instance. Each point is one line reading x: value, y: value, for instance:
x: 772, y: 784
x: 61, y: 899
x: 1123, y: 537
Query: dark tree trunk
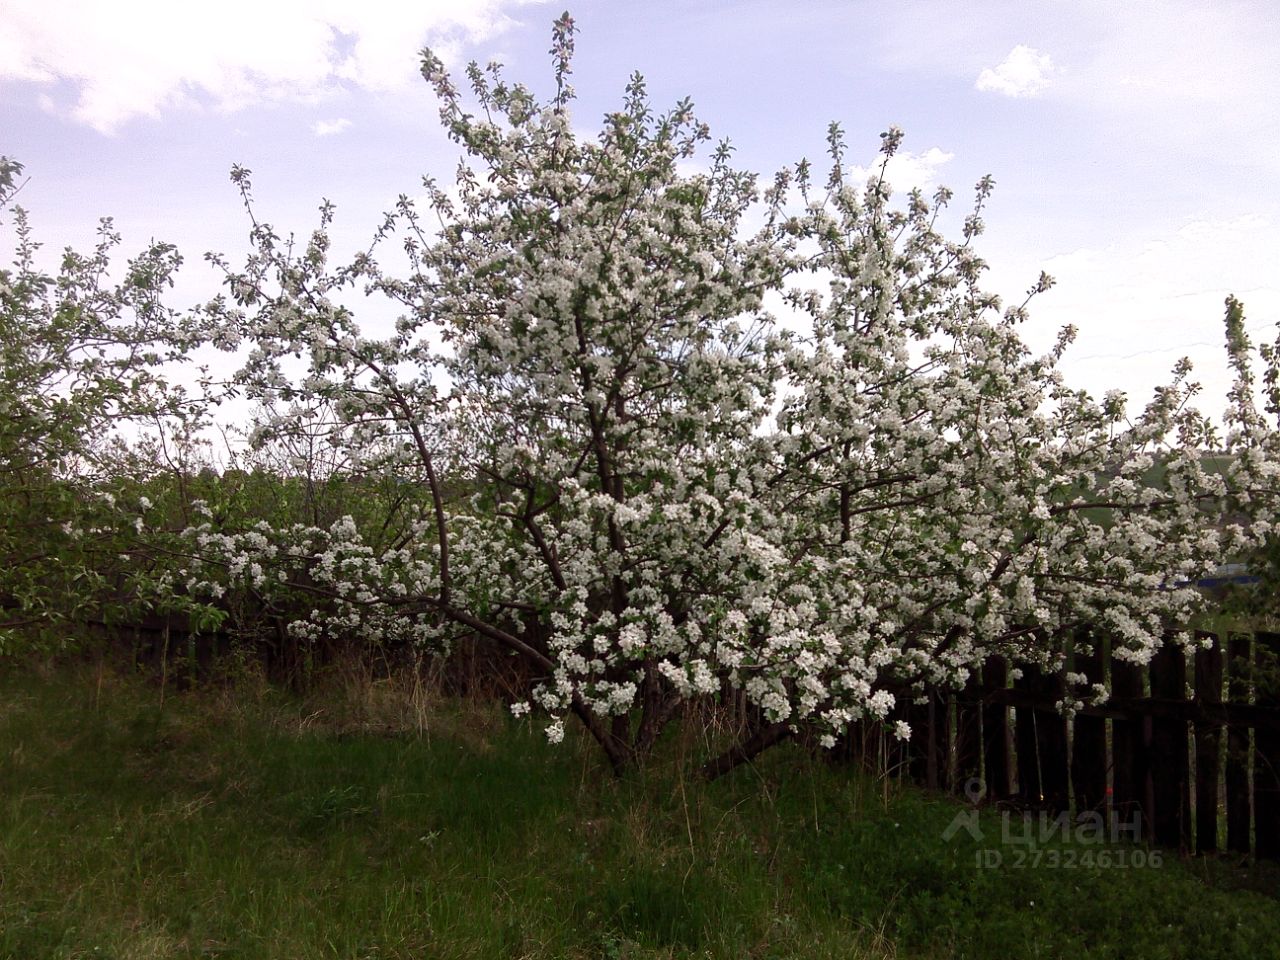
x: 747, y: 750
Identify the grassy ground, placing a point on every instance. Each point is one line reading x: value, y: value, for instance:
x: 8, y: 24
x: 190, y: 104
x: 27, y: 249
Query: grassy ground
x: 252, y: 825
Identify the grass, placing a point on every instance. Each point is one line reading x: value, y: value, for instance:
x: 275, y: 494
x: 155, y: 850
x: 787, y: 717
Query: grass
x: 248, y: 824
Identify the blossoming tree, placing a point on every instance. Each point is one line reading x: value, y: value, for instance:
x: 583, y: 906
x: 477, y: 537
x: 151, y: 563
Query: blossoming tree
x: 81, y: 353
x: 628, y: 472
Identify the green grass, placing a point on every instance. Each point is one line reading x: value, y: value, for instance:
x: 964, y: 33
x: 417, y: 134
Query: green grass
x: 247, y: 825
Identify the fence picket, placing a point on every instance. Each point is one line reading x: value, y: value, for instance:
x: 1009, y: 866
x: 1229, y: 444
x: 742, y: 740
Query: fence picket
x: 1266, y: 761
x: 967, y: 749
x: 996, y: 740
x: 1170, y: 779
x: 1236, y: 780
x: 1128, y: 748
x: 1089, y: 738
x: 1041, y: 735
x: 1208, y: 743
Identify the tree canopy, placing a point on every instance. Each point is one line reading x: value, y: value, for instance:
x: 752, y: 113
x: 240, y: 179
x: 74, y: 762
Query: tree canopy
x: 664, y: 430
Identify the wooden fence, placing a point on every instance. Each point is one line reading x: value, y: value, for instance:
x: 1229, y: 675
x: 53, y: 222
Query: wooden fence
x: 1190, y: 743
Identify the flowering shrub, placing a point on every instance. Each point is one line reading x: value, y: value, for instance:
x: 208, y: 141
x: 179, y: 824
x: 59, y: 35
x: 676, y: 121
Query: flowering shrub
x: 636, y: 478
x: 80, y: 355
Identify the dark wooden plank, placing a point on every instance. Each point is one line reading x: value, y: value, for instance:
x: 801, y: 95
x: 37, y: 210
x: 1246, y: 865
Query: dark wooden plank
x: 1236, y: 779
x: 1266, y: 745
x: 996, y: 734
x: 1208, y: 743
x: 914, y: 753
x: 1055, y: 753
x: 1129, y: 750
x: 1170, y: 776
x: 967, y: 747
x: 1024, y: 739
x: 1043, y: 763
x: 937, y: 741
x: 1089, y: 738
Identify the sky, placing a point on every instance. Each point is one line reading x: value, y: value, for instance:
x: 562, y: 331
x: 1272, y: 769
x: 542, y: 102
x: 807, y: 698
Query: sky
x: 1135, y: 146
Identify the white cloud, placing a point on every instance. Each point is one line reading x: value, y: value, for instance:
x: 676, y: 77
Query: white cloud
x: 132, y: 58
x: 1023, y: 73
x: 908, y: 171
x: 327, y: 128
x: 1185, y: 71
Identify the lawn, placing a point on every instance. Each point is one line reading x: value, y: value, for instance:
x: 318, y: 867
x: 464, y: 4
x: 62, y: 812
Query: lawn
x: 241, y: 822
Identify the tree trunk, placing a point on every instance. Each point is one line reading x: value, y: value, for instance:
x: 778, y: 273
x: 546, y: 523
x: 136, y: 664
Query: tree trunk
x: 747, y: 750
